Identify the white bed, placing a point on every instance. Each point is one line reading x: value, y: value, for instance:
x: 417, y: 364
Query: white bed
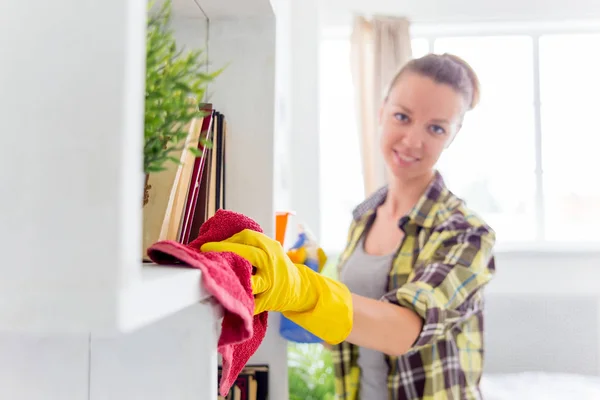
x: 540, y: 385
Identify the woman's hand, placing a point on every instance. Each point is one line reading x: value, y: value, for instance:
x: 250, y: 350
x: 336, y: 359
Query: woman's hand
x: 317, y: 303
x: 278, y: 284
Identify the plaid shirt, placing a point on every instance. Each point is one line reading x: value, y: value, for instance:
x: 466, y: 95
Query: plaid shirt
x: 443, y: 263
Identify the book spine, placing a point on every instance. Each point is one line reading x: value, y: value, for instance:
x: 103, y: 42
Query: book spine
x: 198, y: 170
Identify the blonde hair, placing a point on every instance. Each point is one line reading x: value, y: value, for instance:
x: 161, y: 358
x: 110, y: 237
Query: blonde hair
x: 445, y: 69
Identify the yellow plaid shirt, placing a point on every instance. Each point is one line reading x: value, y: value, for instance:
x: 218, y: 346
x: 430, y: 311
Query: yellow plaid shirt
x: 439, y: 271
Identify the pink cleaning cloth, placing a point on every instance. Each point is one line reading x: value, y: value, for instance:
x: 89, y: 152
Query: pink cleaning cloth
x: 227, y: 277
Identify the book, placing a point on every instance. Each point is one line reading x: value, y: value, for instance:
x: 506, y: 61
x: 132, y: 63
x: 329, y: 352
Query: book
x: 251, y: 384
x: 212, y: 184
x: 197, y: 173
x: 172, y: 220
x: 211, y: 193
x: 219, y: 167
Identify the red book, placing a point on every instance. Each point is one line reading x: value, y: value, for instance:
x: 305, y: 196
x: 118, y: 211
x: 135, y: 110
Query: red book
x: 192, y: 197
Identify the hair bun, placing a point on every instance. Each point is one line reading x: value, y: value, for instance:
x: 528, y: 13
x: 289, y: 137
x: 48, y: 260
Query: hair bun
x: 446, y: 69
x: 476, y: 90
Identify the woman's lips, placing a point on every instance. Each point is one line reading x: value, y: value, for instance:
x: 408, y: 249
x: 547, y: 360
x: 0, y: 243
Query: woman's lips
x: 404, y: 160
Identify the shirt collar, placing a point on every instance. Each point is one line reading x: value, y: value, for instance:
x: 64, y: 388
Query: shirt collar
x: 422, y: 214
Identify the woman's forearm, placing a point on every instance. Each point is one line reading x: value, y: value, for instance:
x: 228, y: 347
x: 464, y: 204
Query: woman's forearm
x: 384, y: 327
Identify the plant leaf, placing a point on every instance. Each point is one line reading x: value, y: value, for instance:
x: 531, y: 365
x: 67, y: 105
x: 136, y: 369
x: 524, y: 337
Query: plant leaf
x: 176, y: 85
x: 195, y: 151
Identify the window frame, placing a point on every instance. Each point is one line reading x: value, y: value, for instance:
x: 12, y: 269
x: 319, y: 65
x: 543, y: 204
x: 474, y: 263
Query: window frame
x: 534, y: 30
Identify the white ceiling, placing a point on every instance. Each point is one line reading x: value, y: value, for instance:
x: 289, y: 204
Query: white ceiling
x: 452, y: 11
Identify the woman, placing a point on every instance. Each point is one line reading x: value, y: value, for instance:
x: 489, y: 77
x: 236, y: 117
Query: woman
x: 406, y: 316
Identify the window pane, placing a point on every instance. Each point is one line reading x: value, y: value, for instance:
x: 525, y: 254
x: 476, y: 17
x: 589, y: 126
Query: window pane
x: 570, y: 83
x: 491, y: 163
x: 340, y: 170
x: 504, y: 65
x: 493, y: 175
x: 420, y: 47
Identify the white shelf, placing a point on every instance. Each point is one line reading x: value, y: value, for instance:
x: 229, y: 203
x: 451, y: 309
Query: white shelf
x: 162, y: 291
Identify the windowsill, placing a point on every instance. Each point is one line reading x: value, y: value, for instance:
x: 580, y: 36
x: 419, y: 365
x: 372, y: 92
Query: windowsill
x: 548, y: 248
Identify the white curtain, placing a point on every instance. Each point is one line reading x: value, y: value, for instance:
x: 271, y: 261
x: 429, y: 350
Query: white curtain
x: 380, y: 47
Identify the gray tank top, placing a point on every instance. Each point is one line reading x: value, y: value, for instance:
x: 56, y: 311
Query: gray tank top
x: 366, y: 275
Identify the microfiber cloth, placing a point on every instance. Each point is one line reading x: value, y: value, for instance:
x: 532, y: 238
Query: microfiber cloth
x: 227, y: 277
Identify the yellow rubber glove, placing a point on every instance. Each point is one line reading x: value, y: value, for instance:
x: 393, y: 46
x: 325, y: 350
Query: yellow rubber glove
x: 322, y: 258
x: 319, y: 304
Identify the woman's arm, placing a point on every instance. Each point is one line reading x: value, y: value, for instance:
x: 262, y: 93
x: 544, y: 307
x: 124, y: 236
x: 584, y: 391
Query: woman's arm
x: 383, y: 326
x: 440, y: 293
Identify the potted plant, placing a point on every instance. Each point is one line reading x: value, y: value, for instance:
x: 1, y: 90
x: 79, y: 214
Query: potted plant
x: 176, y: 84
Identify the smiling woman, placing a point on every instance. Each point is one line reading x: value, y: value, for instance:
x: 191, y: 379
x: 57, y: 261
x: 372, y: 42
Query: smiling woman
x: 416, y: 259
x: 497, y: 179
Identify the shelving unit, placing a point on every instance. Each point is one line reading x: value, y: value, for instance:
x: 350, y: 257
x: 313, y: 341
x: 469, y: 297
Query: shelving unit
x: 80, y: 317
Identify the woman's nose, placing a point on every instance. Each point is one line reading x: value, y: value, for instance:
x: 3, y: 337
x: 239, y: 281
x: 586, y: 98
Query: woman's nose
x: 412, y: 138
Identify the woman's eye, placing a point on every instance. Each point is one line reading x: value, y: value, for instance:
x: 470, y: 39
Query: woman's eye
x: 401, y: 117
x: 438, y: 130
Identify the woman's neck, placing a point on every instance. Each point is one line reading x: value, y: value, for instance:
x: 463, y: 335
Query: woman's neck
x: 404, y: 194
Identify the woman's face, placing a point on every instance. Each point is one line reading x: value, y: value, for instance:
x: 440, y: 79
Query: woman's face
x: 418, y: 120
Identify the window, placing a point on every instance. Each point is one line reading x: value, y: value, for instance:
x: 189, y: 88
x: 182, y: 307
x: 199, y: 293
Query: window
x: 569, y: 88
x: 491, y: 164
x: 525, y: 157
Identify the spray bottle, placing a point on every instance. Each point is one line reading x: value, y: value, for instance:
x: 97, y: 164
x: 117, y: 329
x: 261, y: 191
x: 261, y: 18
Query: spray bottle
x: 305, y: 250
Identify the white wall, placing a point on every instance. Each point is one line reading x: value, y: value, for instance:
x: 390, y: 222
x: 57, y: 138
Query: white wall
x: 536, y: 332
x: 440, y: 11
x: 543, y: 313
x: 244, y: 93
x: 191, y: 32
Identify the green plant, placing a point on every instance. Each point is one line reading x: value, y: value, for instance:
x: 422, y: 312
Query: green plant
x: 310, y: 372
x: 176, y: 83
